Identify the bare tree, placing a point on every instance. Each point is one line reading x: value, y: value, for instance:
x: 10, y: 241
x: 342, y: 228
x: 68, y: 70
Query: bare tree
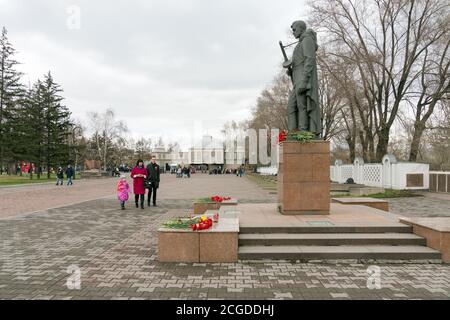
x: 143, y: 148
x: 332, y: 101
x: 432, y: 87
x: 271, y: 106
x: 385, y: 41
x: 106, y: 131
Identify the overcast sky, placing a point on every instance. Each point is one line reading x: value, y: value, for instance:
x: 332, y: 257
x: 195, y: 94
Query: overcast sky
x: 161, y: 65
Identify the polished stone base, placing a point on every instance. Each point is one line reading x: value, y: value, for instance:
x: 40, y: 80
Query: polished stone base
x: 304, y: 178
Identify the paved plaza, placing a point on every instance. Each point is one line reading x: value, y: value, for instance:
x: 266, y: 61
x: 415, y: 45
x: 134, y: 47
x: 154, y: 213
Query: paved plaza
x: 82, y: 229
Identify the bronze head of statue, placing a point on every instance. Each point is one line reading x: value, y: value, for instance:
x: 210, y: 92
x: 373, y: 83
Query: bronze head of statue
x: 298, y: 28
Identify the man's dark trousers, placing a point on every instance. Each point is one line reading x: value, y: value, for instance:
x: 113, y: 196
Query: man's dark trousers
x: 152, y: 190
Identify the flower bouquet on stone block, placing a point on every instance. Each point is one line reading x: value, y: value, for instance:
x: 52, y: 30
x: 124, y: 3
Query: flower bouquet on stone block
x: 194, y: 223
x: 300, y: 136
x: 219, y: 199
x: 203, y: 223
x: 213, y: 199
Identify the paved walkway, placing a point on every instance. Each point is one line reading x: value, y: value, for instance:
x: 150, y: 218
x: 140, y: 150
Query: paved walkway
x: 428, y: 206
x: 32, y: 198
x: 115, y: 253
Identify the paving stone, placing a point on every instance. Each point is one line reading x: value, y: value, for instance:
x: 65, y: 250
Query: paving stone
x: 117, y: 255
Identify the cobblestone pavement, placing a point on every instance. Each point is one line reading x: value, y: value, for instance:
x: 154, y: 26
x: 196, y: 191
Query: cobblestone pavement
x: 428, y: 206
x: 26, y: 199
x: 116, y: 253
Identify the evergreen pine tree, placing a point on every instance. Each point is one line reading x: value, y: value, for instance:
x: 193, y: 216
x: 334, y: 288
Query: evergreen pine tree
x: 57, y: 124
x: 10, y: 92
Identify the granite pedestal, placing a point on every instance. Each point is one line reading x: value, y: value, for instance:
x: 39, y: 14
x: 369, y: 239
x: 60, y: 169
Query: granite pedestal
x: 304, y: 178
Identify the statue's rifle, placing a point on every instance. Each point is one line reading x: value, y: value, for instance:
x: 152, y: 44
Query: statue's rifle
x: 287, y: 64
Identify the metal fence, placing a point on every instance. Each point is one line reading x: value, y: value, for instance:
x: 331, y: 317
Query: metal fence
x: 440, y: 181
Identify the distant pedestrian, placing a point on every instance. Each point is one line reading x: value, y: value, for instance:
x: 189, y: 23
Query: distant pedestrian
x: 59, y: 176
x: 139, y: 174
x: 123, y: 189
x: 69, y: 173
x: 153, y: 174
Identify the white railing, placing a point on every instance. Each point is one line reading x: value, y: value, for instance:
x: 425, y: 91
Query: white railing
x: 388, y: 174
x: 268, y: 171
x: 440, y: 181
x: 371, y: 174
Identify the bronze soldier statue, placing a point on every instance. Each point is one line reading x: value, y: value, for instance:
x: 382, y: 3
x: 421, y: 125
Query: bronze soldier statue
x: 304, y: 112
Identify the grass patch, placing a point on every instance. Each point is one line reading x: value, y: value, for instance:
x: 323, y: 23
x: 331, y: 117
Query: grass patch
x: 12, y: 180
x: 387, y: 194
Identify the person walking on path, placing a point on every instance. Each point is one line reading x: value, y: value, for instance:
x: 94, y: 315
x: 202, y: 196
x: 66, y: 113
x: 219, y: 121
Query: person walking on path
x: 153, y: 173
x: 123, y: 189
x: 241, y: 171
x: 59, y: 176
x: 69, y: 173
x: 139, y: 174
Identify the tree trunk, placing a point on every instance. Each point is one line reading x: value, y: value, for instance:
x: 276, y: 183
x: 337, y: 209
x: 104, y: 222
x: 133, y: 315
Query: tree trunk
x: 419, y: 128
x: 351, y: 146
x: 383, y: 142
x: 48, y: 170
x: 76, y: 165
x: 364, y: 145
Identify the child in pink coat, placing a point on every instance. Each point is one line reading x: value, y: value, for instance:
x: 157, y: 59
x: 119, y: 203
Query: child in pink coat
x: 123, y: 188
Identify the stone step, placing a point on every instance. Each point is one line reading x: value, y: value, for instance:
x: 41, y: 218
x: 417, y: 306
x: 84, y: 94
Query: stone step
x: 376, y: 252
x: 330, y: 239
x: 397, y: 228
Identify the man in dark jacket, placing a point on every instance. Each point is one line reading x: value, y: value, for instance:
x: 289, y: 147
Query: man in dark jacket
x: 69, y: 173
x: 153, y: 173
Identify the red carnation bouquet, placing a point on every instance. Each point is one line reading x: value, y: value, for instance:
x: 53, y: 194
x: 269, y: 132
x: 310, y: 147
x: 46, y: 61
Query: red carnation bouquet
x: 204, y: 223
x: 219, y: 199
x: 282, y: 137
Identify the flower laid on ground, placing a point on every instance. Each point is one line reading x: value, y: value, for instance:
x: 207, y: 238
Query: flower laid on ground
x: 301, y: 136
x: 180, y: 223
x: 204, y: 223
x: 193, y: 223
x: 219, y: 199
x: 213, y: 199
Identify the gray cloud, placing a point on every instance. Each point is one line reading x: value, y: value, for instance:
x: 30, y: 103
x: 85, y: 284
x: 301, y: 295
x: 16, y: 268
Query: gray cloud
x: 161, y: 65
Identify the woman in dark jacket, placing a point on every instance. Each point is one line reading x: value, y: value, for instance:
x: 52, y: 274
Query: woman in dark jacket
x: 59, y: 176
